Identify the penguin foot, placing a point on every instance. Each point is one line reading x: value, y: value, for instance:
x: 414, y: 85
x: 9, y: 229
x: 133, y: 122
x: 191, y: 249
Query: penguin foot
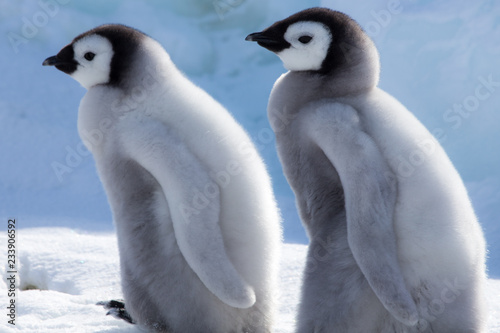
x: 117, y: 309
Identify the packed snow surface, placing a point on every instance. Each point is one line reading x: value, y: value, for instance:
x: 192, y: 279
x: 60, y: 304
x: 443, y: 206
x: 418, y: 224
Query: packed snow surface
x: 64, y: 272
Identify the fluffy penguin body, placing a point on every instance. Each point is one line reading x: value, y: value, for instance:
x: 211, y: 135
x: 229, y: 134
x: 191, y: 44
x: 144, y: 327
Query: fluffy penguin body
x: 394, y: 242
x: 197, y: 224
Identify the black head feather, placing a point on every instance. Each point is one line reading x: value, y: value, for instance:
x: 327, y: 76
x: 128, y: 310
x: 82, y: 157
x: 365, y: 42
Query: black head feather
x: 125, y: 41
x: 347, y: 35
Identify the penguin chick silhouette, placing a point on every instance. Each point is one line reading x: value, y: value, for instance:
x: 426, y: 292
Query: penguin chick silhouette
x: 197, y: 224
x: 395, y: 245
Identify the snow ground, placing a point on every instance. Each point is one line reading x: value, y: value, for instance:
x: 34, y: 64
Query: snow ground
x: 68, y: 271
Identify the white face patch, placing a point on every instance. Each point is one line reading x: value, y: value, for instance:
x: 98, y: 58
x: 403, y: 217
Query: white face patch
x: 93, y: 54
x: 309, y: 43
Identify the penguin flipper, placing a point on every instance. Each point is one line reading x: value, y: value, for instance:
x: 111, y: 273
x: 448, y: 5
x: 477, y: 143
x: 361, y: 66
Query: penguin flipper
x: 117, y: 309
x: 369, y: 202
x: 194, y: 201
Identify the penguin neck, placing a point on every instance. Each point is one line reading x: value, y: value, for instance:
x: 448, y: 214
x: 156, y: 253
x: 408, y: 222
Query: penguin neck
x: 153, y: 69
x: 360, y: 73
x: 294, y: 89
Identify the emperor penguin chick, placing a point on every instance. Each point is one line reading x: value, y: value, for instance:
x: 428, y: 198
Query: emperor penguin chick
x: 197, y: 224
x: 392, y: 248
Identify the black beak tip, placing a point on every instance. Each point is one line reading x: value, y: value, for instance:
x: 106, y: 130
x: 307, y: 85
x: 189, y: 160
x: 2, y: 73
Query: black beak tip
x: 252, y: 37
x: 264, y: 40
x: 50, y: 61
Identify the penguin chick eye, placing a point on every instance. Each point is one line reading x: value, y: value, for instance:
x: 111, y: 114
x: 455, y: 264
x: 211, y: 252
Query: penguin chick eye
x: 89, y: 56
x: 305, y: 39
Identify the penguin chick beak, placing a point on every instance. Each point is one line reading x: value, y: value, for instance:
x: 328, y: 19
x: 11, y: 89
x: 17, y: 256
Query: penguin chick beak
x: 259, y: 37
x: 62, y: 61
x: 272, y: 43
x: 52, y: 61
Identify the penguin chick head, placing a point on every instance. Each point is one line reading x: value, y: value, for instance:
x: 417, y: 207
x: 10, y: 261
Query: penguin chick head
x: 315, y: 39
x: 100, y: 56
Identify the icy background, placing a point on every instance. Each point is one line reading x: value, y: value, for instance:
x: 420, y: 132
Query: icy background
x: 435, y: 57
